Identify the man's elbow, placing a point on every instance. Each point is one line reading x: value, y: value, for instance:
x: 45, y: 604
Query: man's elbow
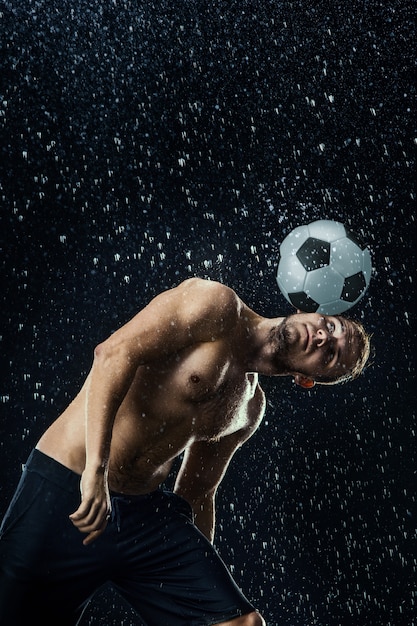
x: 111, y: 350
x: 100, y: 350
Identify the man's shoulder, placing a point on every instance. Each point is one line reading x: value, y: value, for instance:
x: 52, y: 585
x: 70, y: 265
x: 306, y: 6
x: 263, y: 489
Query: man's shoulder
x: 211, y: 294
x: 204, y: 285
x: 209, y: 306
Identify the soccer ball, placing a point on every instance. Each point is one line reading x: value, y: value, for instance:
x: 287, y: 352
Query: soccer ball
x: 323, y: 268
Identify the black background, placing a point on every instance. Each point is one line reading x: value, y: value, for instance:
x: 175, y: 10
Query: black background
x: 143, y: 143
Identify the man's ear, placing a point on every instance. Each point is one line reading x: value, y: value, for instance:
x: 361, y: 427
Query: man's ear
x: 304, y: 381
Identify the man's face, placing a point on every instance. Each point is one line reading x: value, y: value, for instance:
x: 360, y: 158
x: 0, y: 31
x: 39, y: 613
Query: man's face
x: 318, y: 345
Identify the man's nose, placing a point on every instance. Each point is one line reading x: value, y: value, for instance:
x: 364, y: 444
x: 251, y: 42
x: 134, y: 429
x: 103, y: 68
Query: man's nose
x: 322, y: 337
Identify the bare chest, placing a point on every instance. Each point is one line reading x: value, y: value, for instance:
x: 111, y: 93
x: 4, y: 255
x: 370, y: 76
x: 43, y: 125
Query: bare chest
x: 199, y: 394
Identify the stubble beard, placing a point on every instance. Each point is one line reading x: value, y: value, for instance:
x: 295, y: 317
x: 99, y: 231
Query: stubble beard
x: 282, y: 338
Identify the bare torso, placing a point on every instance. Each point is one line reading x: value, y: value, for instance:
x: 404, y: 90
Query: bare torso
x: 199, y: 393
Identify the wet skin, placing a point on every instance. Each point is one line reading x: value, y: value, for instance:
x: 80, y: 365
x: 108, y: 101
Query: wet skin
x: 182, y: 377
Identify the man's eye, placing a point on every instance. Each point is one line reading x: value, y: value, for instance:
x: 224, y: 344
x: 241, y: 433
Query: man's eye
x: 331, y: 327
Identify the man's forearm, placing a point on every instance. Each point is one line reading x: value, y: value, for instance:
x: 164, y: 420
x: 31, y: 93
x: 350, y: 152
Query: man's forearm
x: 204, y: 515
x: 109, y: 380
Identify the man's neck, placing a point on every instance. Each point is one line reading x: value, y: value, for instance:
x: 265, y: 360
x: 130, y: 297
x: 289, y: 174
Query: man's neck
x: 261, y: 350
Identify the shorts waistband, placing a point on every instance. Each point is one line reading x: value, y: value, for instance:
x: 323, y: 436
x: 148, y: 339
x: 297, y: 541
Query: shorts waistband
x: 49, y: 468
x: 67, y: 479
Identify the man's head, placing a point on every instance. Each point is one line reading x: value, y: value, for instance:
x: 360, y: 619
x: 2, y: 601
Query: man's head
x: 321, y: 349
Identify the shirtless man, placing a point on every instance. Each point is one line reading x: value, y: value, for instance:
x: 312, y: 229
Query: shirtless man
x: 180, y: 377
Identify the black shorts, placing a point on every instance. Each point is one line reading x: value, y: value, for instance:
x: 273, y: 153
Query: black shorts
x: 151, y: 552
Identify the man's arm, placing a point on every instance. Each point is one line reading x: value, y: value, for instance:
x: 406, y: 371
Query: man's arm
x: 205, y: 463
x: 195, y: 311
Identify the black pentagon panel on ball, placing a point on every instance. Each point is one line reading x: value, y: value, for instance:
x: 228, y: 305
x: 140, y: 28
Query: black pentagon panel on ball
x: 303, y: 302
x: 353, y: 287
x: 314, y: 253
x: 354, y: 237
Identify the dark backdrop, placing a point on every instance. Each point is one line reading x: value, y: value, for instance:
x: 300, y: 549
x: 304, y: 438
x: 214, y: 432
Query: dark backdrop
x: 146, y: 142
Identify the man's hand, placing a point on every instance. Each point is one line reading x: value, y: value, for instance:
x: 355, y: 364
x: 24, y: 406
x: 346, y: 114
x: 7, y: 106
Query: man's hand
x: 94, y: 511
